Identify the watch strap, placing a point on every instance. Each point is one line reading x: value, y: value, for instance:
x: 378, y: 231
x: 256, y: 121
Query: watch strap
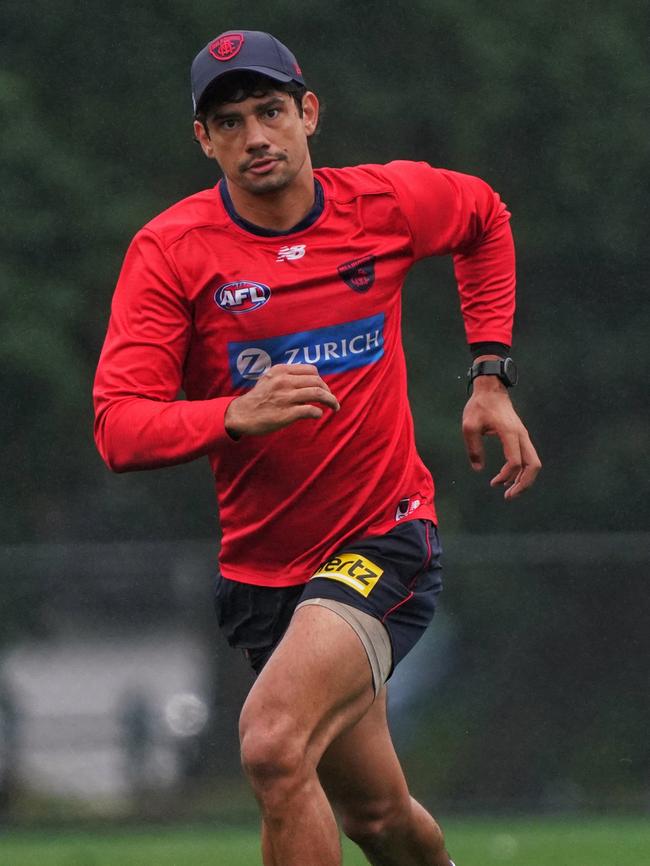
x: 504, y: 369
x: 486, y: 368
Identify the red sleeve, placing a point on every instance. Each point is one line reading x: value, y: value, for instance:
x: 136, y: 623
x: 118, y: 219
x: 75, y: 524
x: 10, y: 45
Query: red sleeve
x: 452, y: 213
x: 139, y: 423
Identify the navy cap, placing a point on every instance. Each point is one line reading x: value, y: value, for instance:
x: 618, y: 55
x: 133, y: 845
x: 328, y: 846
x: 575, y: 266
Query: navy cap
x: 235, y: 51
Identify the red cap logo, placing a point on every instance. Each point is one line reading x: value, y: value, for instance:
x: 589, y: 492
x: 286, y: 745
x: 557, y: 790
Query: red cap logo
x: 228, y: 46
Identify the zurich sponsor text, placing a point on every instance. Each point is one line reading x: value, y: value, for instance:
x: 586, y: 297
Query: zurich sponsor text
x: 333, y: 349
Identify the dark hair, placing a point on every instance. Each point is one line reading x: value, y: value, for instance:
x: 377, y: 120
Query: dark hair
x: 238, y: 86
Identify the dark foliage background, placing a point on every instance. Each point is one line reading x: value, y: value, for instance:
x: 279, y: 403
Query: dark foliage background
x: 548, y: 101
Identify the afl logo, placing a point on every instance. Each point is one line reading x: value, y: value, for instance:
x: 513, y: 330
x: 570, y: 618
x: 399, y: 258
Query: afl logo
x: 242, y: 296
x: 227, y: 46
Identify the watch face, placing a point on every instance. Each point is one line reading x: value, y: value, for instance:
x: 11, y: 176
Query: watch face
x: 510, y: 371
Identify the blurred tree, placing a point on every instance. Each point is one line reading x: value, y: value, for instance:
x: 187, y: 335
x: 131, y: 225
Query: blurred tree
x: 546, y: 101
x: 548, y: 703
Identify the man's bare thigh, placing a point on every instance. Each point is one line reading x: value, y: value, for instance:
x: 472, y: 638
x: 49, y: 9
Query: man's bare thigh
x: 317, y: 683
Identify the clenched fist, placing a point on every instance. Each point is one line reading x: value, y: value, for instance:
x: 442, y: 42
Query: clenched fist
x: 284, y: 394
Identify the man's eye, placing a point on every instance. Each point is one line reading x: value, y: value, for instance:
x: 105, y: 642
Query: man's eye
x: 229, y: 123
x: 272, y: 113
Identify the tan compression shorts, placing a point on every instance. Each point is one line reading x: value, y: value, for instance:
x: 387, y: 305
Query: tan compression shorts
x: 370, y: 631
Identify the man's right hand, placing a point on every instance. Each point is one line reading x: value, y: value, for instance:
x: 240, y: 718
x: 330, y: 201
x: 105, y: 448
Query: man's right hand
x: 284, y: 394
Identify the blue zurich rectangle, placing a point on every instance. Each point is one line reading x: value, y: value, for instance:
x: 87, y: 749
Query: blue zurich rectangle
x: 333, y: 349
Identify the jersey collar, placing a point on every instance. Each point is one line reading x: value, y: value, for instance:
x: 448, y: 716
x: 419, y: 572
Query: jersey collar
x: 308, y: 220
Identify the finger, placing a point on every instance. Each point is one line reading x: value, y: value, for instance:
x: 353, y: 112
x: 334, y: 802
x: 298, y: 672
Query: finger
x: 276, y: 371
x: 305, y: 377
x: 530, y: 470
x: 300, y: 369
x: 311, y: 382
x: 294, y: 382
x: 316, y: 395
x: 474, y: 447
x: 298, y: 413
x: 507, y: 475
x: 513, y: 465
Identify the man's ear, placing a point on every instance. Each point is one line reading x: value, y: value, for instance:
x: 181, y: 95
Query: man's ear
x: 310, y: 110
x: 203, y: 139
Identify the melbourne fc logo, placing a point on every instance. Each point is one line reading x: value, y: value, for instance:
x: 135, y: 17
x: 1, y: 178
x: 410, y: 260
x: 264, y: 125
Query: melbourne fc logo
x: 242, y: 296
x: 359, y: 274
x: 226, y: 47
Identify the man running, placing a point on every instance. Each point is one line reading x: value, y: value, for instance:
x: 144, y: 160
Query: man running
x: 273, y: 301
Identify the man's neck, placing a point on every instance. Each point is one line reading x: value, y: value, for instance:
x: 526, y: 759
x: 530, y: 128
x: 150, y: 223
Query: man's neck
x: 280, y: 209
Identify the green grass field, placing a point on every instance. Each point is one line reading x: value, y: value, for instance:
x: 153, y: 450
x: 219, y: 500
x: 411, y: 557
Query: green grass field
x: 498, y: 842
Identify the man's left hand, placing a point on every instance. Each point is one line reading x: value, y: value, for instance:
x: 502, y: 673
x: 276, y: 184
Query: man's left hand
x: 489, y: 412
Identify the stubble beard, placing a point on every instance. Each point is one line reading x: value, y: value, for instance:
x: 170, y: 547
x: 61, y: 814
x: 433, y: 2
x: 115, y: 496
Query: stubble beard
x: 263, y: 185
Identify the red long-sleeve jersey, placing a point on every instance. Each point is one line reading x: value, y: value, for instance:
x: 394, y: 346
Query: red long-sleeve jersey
x: 205, y: 303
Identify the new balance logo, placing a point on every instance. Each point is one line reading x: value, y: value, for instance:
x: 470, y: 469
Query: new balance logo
x: 289, y: 254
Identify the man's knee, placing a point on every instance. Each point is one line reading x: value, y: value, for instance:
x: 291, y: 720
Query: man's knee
x: 272, y: 752
x: 365, y: 823
x: 374, y: 823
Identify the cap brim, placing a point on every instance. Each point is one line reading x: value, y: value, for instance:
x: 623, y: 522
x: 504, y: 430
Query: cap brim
x: 273, y: 74
x: 270, y: 73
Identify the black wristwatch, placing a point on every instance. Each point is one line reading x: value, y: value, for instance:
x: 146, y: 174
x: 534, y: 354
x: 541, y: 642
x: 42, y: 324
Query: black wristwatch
x: 505, y: 369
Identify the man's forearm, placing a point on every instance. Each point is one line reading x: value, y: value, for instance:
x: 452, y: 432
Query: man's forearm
x: 486, y: 283
x: 137, y: 433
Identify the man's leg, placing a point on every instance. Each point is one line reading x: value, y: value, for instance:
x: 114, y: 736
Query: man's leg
x: 363, y: 779
x: 267, y: 852
x: 315, y: 686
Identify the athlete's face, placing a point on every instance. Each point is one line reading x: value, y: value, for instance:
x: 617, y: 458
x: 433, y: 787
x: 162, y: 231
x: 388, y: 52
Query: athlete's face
x: 260, y: 143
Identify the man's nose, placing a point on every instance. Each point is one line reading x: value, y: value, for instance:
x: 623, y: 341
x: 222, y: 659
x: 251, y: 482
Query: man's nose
x: 256, y: 137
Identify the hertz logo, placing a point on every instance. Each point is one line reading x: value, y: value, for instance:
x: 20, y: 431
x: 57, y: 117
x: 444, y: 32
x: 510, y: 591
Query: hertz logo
x: 352, y: 569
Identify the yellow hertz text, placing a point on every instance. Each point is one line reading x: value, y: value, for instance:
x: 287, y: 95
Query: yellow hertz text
x: 352, y: 569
